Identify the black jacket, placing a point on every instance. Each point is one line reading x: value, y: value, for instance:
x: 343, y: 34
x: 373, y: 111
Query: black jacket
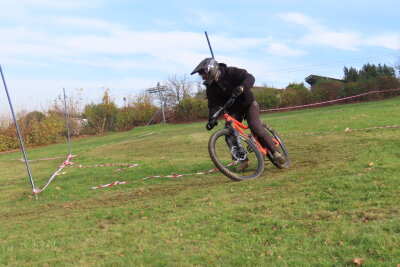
x: 219, y: 92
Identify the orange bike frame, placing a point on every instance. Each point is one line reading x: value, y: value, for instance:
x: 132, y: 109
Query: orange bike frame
x: 240, y: 127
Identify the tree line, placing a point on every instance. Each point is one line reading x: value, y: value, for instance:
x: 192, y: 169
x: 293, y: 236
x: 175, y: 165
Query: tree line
x: 369, y: 78
x: 184, y: 101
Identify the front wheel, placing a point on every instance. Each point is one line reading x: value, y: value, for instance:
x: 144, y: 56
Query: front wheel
x: 227, y: 157
x: 280, y: 147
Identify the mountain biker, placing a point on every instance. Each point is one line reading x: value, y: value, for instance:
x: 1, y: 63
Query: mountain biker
x: 222, y: 83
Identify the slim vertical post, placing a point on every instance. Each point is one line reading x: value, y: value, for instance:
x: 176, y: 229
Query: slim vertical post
x: 66, y: 122
x: 161, y: 100
x: 159, y: 89
x: 19, y: 136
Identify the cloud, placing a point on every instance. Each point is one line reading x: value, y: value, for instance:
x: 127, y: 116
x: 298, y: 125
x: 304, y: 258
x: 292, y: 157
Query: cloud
x: 319, y: 35
x: 344, y: 40
x: 81, y: 24
x: 205, y: 18
x: 59, y: 4
x: 47, y: 4
x: 279, y: 49
x: 339, y: 40
x: 113, y: 44
x: 389, y: 40
x: 301, y: 20
x: 21, y: 10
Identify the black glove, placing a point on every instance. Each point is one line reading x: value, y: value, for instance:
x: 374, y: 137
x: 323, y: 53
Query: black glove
x: 211, y: 125
x: 238, y: 90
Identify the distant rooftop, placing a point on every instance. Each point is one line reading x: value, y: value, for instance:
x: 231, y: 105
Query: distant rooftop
x: 313, y: 79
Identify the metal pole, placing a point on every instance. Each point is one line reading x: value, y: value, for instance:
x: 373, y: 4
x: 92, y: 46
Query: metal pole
x: 161, y: 100
x: 209, y: 45
x: 159, y: 89
x: 66, y: 120
x: 19, y: 135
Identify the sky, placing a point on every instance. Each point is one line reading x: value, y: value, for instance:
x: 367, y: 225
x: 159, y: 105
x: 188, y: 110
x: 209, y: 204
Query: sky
x: 128, y: 46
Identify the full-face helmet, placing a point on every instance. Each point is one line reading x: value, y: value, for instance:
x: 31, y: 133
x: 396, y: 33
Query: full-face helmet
x: 208, y: 68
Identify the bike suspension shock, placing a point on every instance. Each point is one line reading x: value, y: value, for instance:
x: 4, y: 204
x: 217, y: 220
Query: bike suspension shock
x: 241, y: 153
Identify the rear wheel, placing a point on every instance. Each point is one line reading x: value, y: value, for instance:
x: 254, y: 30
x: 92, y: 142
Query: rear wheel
x: 280, y: 147
x: 227, y: 157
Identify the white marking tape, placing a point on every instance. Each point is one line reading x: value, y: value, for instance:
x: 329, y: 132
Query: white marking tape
x: 158, y: 176
x: 166, y: 176
x: 68, y: 162
x: 62, y: 166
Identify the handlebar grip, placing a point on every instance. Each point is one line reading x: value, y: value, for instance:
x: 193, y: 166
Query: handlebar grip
x: 211, y: 124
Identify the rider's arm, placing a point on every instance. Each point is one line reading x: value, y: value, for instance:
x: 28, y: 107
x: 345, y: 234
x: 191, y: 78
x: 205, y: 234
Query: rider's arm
x: 242, y: 77
x: 213, y: 103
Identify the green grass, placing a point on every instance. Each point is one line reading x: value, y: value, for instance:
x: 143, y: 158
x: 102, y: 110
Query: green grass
x: 339, y: 200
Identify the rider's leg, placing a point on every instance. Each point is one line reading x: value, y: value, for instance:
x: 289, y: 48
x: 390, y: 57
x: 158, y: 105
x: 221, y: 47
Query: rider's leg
x: 244, y: 164
x: 254, y: 123
x: 253, y: 120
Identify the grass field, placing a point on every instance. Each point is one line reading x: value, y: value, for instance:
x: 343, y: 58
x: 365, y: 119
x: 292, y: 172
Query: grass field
x: 339, y: 201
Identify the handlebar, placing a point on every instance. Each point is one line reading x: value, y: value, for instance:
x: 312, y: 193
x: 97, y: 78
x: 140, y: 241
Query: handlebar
x: 213, y: 120
x: 228, y: 103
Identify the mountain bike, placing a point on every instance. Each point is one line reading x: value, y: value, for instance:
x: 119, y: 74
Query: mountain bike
x: 231, y: 145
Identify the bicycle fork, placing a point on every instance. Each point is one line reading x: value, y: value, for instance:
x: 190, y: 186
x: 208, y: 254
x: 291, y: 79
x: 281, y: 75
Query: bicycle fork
x: 238, y: 151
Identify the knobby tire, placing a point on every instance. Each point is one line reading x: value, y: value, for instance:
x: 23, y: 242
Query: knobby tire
x: 281, y: 148
x: 222, y: 166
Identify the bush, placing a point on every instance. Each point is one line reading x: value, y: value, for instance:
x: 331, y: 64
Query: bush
x: 50, y: 130
x: 144, y: 111
x: 287, y: 98
x: 125, y: 119
x: 327, y: 90
x: 27, y: 122
x: 386, y: 83
x: 138, y: 112
x: 8, y: 143
x: 266, y: 97
x: 36, y: 128
x: 191, y: 109
x: 380, y: 84
x: 295, y: 94
x: 351, y: 88
x: 303, y: 96
x: 101, y: 117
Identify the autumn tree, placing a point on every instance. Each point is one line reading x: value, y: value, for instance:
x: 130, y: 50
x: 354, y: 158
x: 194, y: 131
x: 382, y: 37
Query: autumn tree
x: 102, y: 117
x: 177, y: 89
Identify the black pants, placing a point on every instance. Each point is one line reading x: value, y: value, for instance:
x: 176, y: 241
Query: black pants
x: 252, y: 116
